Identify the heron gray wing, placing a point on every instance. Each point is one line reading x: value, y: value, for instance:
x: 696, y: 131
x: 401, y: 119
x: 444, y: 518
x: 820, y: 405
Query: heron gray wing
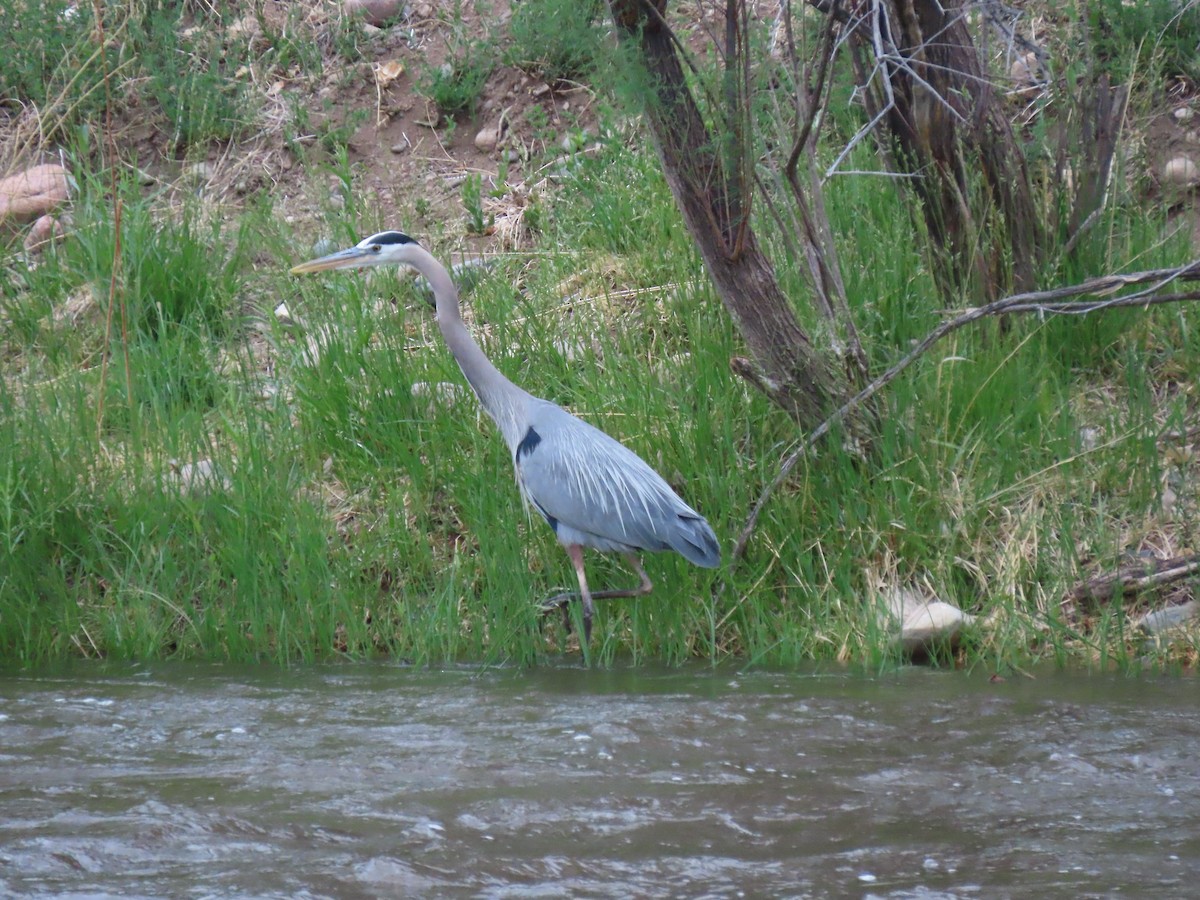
x: 579, y: 477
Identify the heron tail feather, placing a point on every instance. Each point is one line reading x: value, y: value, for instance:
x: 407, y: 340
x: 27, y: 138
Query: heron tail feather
x: 695, y: 541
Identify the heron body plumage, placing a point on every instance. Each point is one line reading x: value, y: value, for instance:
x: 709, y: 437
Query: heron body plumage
x: 592, y: 490
x: 603, y: 495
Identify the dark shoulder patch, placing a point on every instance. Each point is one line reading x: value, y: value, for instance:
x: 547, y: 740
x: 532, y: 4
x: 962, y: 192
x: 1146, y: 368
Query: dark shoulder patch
x: 528, y: 443
x: 389, y: 237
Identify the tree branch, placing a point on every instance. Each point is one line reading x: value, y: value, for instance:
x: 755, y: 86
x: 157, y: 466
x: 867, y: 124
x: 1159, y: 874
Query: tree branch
x: 1052, y: 301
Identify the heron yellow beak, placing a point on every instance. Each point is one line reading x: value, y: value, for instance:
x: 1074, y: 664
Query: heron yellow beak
x: 351, y: 258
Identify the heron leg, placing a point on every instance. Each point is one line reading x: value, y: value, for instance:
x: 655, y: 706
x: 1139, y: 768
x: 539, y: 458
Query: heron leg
x: 576, y: 553
x: 561, y: 601
x: 645, y: 587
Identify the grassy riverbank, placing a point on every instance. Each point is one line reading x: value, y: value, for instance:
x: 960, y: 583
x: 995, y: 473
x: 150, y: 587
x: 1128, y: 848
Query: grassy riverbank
x: 187, y: 473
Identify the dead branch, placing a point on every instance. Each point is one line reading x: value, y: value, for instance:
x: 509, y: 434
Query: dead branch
x: 808, y: 101
x: 1133, y: 578
x: 1052, y: 301
x: 1004, y: 20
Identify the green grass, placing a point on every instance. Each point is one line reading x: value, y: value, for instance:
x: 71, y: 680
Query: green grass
x: 356, y: 512
x: 48, y: 58
x: 359, y: 517
x: 1131, y: 37
x: 172, y: 65
x: 557, y: 40
x: 457, y: 84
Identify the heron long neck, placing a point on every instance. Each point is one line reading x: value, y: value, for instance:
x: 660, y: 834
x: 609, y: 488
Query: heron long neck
x: 502, y: 399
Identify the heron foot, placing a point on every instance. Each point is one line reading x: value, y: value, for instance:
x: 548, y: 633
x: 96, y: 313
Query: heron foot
x: 563, y: 601
x: 560, y: 601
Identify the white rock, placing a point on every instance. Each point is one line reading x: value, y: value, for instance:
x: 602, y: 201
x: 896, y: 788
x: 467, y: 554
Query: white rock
x: 487, y: 138
x: 324, y: 246
x: 247, y: 26
x: 284, y: 315
x: 438, y: 393
x: 1181, y: 172
x: 202, y: 475
x: 571, y: 349
x: 921, y: 621
x: 1183, y: 114
x: 200, y: 173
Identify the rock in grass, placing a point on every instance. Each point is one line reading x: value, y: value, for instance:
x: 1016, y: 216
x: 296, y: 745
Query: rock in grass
x: 1024, y: 73
x: 284, y: 315
x: 31, y: 194
x: 486, y: 139
x: 1181, y: 172
x: 1161, y: 620
x: 923, y: 623
x: 198, y: 477
x: 374, y: 12
x: 489, y: 137
x: 438, y: 393
x: 200, y: 173
x: 43, y: 231
x: 324, y: 246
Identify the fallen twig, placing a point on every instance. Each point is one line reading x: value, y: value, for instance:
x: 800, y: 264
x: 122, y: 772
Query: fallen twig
x: 1133, y: 578
x: 1180, y: 435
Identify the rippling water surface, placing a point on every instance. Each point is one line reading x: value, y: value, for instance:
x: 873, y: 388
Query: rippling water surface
x: 369, y: 781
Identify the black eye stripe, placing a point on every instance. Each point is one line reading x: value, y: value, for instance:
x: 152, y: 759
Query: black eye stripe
x: 389, y: 237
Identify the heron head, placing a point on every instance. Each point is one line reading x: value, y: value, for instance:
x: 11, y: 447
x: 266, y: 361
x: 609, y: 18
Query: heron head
x: 387, y: 248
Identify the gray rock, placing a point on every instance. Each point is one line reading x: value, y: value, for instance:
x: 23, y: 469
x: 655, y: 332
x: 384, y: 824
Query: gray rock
x: 374, y: 12
x: 1160, y: 620
x: 324, y: 247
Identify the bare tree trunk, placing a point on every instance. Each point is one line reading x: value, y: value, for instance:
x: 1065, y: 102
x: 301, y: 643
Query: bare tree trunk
x: 709, y: 178
x: 1086, y: 152
x: 808, y: 195
x: 945, y: 121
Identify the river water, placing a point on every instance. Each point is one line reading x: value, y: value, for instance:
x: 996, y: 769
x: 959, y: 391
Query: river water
x: 190, y: 780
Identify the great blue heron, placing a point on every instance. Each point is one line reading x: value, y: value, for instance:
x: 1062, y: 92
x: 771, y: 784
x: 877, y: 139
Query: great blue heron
x: 592, y: 490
